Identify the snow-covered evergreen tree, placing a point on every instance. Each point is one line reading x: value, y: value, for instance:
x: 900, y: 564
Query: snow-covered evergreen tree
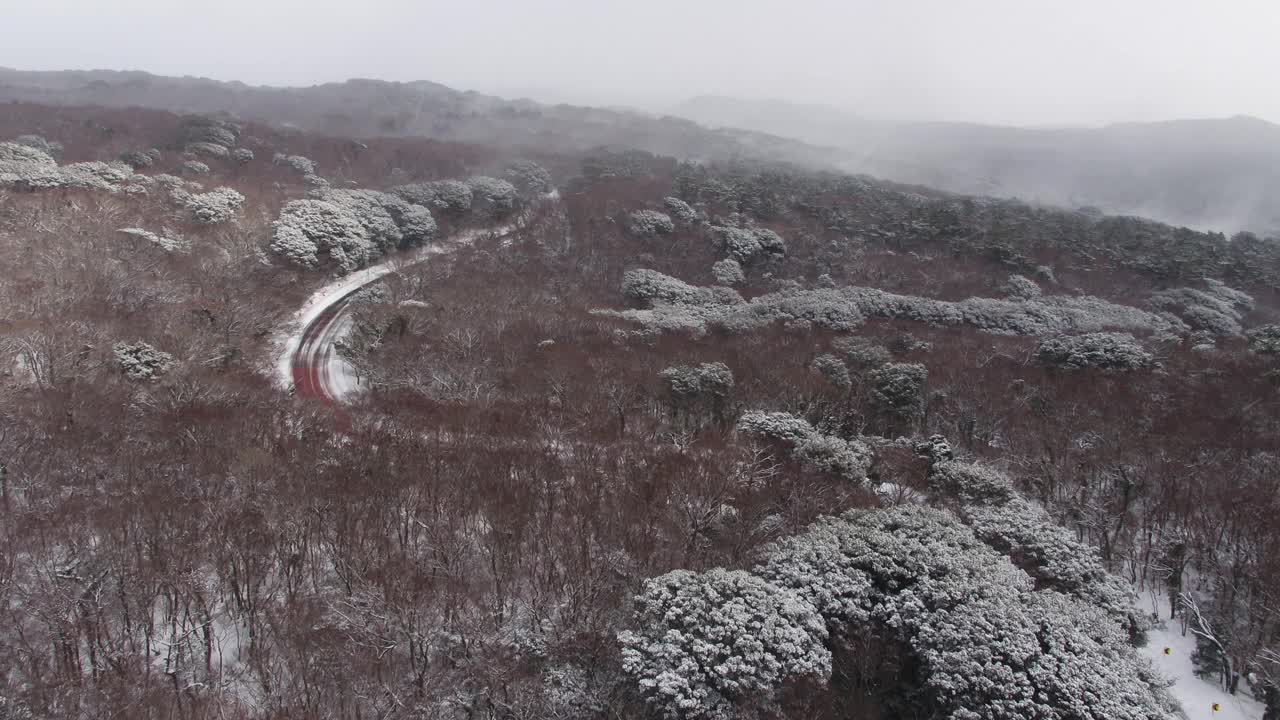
x: 1022, y: 288
x: 350, y: 227
x: 849, y: 459
x: 529, y: 178
x: 213, y: 207
x: 728, y: 272
x: 299, y: 164
x: 195, y: 167
x: 897, y: 392
x: 1119, y: 351
x: 647, y: 223
x: 141, y: 361
x: 492, y: 198
x: 1265, y: 339
x: 448, y: 196
x: 834, y: 370
x: 706, y: 644
x: 680, y: 210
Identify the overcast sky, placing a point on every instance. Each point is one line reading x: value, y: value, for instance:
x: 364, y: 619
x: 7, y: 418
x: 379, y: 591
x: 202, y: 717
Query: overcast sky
x: 1042, y: 62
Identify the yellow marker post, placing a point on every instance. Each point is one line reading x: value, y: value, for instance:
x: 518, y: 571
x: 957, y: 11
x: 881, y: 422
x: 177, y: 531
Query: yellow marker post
x: 1168, y: 651
x: 1217, y: 707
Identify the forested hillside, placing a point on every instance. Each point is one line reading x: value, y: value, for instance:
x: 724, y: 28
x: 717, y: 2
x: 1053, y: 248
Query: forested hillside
x: 632, y: 436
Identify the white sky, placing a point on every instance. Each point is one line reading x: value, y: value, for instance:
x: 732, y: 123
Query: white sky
x: 1002, y: 61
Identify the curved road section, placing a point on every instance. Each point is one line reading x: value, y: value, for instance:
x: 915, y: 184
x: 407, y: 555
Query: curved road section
x: 316, y: 367
x: 307, y: 355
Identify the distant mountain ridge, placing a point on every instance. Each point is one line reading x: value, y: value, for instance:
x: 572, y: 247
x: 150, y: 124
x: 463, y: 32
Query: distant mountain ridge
x: 1216, y: 174
x: 363, y: 107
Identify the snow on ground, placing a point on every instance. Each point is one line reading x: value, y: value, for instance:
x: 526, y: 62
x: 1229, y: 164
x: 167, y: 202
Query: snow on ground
x: 341, y: 379
x: 1196, y: 694
x: 20, y: 372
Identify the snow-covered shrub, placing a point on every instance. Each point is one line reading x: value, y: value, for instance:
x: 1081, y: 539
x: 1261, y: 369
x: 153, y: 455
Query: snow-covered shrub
x: 449, y: 196
x: 368, y: 208
x: 1051, y: 554
x: 307, y: 229
x: 970, y: 483
x: 96, y: 175
x: 492, y: 198
x: 862, y: 354
x: 32, y: 169
x: 747, y: 244
x: 195, y: 167
x: 728, y: 272
x: 780, y: 426
x: 990, y: 645
x: 207, y: 149
x: 242, y: 155
x: 173, y: 183
x: 1265, y: 339
x: 378, y: 293
x: 1216, y: 308
x: 391, y: 221
x: 198, y: 129
x: 653, y: 286
x: 890, y: 568
x: 834, y: 370
x: 647, y: 223
x: 569, y: 694
x: 824, y: 308
x: 1022, y: 288
x: 706, y: 644
x: 141, y: 361
x: 167, y: 244
x: 843, y: 309
x: 682, y: 211
x: 213, y: 207
x: 897, y: 390
x: 936, y: 449
x: 137, y: 159
x: 1120, y: 351
x: 1037, y: 655
x: 849, y: 459
x: 350, y: 227
x: 698, y: 393
x: 423, y: 193
x: 529, y: 177
x: 20, y: 164
x: 39, y: 142
x: 297, y: 163
x: 687, y: 383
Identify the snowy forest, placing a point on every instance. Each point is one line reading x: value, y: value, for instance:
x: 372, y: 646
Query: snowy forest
x: 302, y: 425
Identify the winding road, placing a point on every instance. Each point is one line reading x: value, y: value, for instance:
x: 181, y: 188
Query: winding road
x: 317, y: 368
x: 308, y: 360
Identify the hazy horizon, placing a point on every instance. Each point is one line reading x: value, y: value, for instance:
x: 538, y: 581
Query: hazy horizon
x: 1009, y: 63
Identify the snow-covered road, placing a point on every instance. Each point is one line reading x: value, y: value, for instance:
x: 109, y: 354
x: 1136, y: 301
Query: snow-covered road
x: 306, y: 353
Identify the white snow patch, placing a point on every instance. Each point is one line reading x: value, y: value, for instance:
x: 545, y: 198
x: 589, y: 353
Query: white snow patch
x: 1194, y: 693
